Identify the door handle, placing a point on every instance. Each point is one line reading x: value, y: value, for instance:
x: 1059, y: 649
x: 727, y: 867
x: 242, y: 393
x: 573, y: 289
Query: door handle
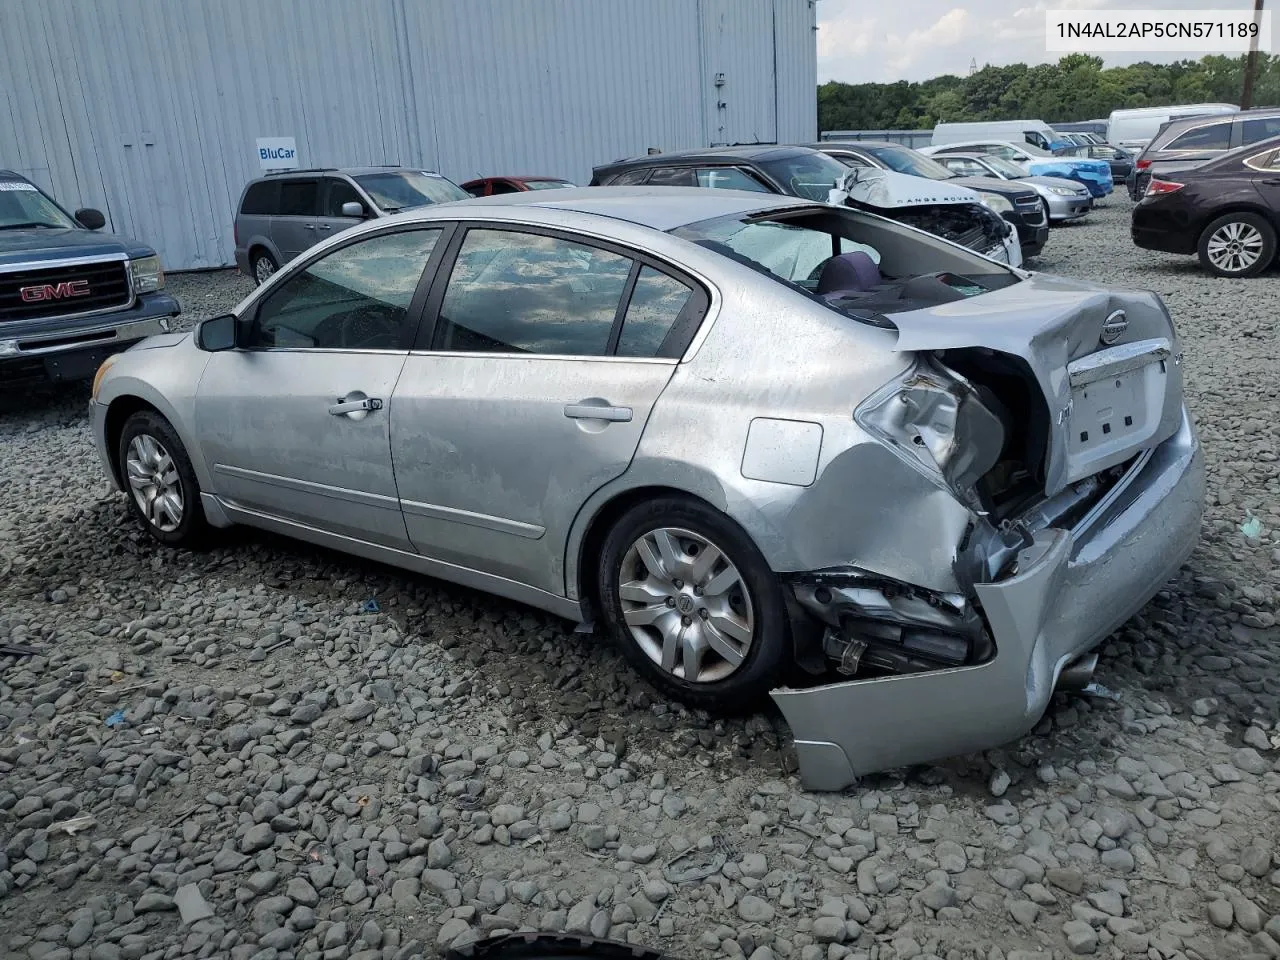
x: 309, y: 226
x: 346, y: 407
x: 594, y: 411
x: 324, y: 226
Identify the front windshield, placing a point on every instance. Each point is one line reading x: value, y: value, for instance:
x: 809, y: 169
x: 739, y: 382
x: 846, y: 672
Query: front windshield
x: 1006, y: 168
x: 547, y: 184
x: 23, y: 207
x: 907, y: 161
x: 808, y: 175
x: 409, y: 188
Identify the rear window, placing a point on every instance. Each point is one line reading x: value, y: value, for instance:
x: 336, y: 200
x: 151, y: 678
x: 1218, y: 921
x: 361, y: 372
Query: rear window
x: 1215, y: 136
x: 260, y: 198
x: 547, y: 184
x: 630, y: 177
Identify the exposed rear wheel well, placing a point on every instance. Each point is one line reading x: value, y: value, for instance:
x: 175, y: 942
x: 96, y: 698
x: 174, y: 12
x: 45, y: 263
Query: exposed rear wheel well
x: 120, y: 410
x: 598, y: 529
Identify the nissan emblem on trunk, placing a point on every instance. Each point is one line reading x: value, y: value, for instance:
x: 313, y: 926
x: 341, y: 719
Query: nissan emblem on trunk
x: 1114, y: 327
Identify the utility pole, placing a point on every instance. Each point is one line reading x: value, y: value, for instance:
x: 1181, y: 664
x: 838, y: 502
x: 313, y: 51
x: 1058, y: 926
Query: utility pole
x: 1251, y: 62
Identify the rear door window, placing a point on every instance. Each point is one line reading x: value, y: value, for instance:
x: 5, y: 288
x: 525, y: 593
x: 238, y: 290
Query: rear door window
x: 657, y: 303
x: 1214, y: 136
x: 299, y: 198
x: 672, y: 177
x: 628, y: 178
x: 729, y: 178
x: 261, y: 198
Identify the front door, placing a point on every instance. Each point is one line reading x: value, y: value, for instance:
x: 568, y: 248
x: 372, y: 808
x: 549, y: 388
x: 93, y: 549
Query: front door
x: 296, y: 422
x: 548, y: 353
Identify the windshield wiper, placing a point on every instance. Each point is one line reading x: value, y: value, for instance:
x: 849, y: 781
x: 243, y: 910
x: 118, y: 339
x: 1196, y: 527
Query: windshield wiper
x: 28, y: 226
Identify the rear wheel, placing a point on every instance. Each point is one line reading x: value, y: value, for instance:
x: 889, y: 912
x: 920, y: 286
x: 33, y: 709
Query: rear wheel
x: 159, y: 479
x: 693, y: 604
x: 263, y: 265
x: 1237, y: 245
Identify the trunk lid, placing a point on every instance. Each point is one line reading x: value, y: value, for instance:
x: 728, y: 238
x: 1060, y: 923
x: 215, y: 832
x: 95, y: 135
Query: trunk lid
x: 1106, y: 399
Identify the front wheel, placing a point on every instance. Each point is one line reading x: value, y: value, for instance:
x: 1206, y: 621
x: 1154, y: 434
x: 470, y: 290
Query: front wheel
x: 1237, y: 245
x: 264, y: 266
x: 160, y: 481
x: 693, y: 604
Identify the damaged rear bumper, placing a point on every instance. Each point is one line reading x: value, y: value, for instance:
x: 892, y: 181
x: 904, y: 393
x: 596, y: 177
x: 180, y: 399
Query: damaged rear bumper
x: 1071, y: 589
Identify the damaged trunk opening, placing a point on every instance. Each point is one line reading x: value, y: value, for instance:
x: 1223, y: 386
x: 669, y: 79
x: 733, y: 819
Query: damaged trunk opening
x: 977, y: 421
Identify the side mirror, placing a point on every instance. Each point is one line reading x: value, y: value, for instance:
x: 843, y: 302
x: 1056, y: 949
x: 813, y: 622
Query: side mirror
x: 90, y: 218
x: 353, y: 209
x: 217, y: 333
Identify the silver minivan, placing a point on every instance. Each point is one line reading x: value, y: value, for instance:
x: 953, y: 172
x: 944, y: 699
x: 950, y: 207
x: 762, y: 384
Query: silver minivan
x: 282, y: 214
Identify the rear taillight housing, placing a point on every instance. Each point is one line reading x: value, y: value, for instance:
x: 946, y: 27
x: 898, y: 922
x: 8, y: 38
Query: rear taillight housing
x: 1157, y: 187
x: 1143, y: 164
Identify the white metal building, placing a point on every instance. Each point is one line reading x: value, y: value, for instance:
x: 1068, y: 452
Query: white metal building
x: 151, y: 109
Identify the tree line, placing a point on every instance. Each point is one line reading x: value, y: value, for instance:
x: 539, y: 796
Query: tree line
x: 1077, y: 87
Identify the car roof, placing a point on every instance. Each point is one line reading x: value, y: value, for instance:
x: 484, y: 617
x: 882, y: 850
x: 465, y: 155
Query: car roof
x: 11, y: 175
x: 348, y: 171
x: 847, y: 144
x: 660, y: 208
x: 970, y: 144
x: 753, y: 151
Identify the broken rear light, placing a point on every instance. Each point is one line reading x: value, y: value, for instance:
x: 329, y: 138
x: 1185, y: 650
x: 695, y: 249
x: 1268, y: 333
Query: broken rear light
x: 1157, y: 187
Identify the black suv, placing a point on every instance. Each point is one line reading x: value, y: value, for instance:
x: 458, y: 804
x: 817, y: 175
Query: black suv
x: 810, y: 174
x: 1025, y: 211
x: 1191, y: 141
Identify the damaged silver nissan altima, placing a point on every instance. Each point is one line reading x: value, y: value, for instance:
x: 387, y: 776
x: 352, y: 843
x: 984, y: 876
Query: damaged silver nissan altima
x: 773, y: 445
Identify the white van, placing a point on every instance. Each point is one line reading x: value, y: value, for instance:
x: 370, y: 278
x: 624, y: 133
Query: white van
x: 1035, y: 132
x: 1133, y: 129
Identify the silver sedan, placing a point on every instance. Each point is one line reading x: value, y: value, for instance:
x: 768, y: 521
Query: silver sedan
x: 769, y: 445
x: 1063, y: 199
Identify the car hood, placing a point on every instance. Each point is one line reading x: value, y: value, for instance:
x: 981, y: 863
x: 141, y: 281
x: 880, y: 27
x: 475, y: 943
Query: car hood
x: 1051, y: 322
x: 27, y: 246
x: 1006, y: 188
x: 161, y: 341
x: 1046, y: 182
x: 887, y: 190
x: 1055, y: 165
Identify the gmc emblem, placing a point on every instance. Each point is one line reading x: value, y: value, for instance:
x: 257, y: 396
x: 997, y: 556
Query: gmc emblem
x: 49, y: 291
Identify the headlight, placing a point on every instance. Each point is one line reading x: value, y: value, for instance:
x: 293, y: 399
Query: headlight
x: 1063, y: 191
x: 102, y: 372
x: 996, y: 202
x: 146, y: 274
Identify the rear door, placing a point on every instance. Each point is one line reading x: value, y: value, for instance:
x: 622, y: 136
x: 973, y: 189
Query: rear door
x: 530, y: 392
x: 293, y: 227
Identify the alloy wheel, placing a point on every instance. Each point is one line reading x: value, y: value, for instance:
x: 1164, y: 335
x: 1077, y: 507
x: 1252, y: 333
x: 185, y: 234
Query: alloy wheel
x: 263, y: 268
x: 686, y: 605
x: 1235, y: 246
x: 154, y: 482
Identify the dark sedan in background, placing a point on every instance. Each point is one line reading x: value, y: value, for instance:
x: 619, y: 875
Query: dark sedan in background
x: 1226, y: 211
x: 1022, y: 206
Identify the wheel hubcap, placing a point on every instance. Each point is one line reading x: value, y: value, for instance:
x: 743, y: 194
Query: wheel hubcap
x: 263, y: 269
x: 1235, y: 247
x: 153, y: 480
x: 686, y: 605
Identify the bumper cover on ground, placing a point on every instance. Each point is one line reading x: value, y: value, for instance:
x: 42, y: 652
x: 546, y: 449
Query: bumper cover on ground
x: 1072, y: 589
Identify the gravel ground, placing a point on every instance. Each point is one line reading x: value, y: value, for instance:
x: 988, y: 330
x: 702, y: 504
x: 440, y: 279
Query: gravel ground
x: 236, y: 754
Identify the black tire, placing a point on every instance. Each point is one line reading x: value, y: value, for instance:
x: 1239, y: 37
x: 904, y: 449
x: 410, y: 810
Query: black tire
x: 768, y: 652
x: 1246, y: 221
x: 191, y: 529
x: 1044, y: 206
x: 260, y: 255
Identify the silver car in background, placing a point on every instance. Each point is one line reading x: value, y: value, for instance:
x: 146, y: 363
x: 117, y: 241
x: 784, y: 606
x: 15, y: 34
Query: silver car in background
x: 771, y: 445
x: 1063, y: 199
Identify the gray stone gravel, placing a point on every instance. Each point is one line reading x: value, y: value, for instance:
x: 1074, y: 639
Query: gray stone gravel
x: 295, y: 777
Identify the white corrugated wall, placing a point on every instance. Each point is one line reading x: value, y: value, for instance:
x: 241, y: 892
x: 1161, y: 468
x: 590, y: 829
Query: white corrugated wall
x: 150, y: 109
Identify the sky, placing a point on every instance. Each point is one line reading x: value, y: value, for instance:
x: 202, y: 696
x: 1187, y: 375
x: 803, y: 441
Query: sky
x: 862, y: 42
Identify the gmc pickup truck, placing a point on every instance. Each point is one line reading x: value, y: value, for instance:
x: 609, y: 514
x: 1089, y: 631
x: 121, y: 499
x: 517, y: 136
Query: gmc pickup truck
x: 69, y: 295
